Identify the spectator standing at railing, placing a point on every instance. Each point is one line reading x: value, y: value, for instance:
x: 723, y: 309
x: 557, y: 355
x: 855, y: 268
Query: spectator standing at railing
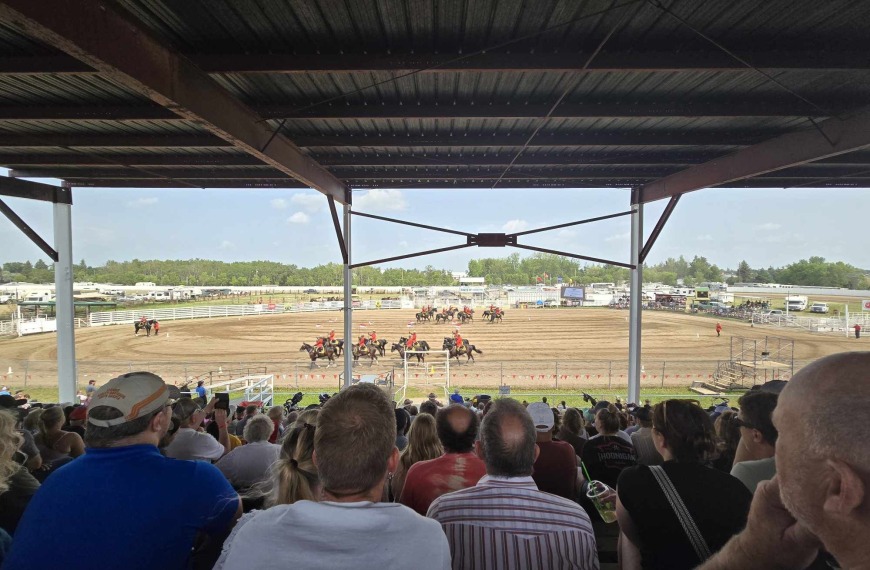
x: 857, y: 331
x: 200, y: 391
x: 718, y: 329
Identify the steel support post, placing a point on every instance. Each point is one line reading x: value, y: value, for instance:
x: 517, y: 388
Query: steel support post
x: 348, y: 303
x: 65, y: 310
x: 636, y: 300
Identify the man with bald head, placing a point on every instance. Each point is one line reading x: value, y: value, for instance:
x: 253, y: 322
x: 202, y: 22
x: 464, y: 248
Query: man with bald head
x: 505, y: 521
x: 457, y: 469
x: 821, y: 493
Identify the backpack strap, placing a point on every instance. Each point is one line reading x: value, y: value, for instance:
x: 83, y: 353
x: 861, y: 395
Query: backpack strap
x: 696, y: 539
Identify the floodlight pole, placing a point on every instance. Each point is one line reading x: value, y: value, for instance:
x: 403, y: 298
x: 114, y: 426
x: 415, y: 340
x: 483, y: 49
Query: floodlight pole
x: 635, y: 300
x: 64, y: 308
x: 348, y: 302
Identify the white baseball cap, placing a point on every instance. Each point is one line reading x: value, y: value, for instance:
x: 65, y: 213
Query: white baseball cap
x: 542, y: 415
x: 135, y: 394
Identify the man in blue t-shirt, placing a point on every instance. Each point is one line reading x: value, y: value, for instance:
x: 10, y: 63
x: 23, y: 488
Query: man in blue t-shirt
x: 456, y: 397
x: 138, y: 509
x: 200, y: 391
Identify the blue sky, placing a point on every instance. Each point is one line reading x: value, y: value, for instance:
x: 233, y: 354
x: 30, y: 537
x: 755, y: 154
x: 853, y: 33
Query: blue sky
x: 764, y: 226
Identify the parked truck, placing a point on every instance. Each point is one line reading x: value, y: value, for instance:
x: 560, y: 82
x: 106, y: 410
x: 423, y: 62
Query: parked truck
x: 819, y: 308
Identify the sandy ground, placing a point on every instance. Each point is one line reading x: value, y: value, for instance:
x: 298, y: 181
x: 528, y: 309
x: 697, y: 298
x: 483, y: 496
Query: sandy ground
x: 533, y: 348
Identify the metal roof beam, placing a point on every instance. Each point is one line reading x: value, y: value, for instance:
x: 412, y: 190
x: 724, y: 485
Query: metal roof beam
x: 638, y: 60
x: 465, y: 111
x: 110, y: 40
x: 835, y: 136
x: 33, y: 191
x: 124, y: 140
x: 525, y: 111
x: 449, y: 183
x: 129, y: 173
x: 151, y: 159
x: 498, y: 140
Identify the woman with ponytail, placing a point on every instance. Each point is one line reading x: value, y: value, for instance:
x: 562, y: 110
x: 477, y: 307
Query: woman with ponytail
x: 295, y: 474
x: 675, y: 514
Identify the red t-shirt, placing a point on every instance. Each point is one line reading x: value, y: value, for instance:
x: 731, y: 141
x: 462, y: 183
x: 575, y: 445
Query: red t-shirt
x: 428, y: 480
x: 556, y: 469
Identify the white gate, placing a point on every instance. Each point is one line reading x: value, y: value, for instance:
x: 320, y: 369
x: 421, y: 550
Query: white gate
x: 435, y: 372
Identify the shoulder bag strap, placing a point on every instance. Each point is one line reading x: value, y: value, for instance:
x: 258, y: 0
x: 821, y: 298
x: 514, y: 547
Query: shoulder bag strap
x: 686, y: 521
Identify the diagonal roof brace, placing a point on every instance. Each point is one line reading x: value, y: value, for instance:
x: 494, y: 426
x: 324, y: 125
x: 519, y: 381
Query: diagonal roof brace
x: 488, y: 240
x: 92, y: 33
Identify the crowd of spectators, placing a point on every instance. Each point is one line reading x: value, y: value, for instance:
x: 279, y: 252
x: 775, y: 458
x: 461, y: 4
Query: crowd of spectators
x: 779, y: 481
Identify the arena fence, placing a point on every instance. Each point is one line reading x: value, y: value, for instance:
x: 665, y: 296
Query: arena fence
x: 516, y: 376
x: 102, y: 318
x: 815, y: 324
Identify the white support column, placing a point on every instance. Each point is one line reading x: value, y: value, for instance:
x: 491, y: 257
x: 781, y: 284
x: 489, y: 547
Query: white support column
x: 636, y: 300
x: 348, y: 304
x: 64, y: 309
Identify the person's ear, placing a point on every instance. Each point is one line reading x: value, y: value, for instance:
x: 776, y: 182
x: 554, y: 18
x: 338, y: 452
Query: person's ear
x: 159, y: 421
x: 757, y: 438
x: 845, y: 490
x: 537, y: 452
x: 478, y: 450
x: 393, y: 463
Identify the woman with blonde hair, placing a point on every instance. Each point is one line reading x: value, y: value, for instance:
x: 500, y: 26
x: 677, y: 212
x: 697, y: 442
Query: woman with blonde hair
x: 295, y: 476
x: 17, y: 485
x: 423, y: 444
x: 54, y: 443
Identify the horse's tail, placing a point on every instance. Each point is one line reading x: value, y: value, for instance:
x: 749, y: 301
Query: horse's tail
x: 473, y: 348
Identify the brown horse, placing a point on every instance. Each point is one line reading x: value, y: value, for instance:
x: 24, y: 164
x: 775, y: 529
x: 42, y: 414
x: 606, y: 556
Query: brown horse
x: 450, y: 346
x: 328, y: 352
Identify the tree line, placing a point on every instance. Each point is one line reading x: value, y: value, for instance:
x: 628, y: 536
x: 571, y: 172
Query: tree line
x: 511, y: 270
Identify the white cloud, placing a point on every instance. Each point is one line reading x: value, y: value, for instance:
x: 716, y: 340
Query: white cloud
x: 298, y: 218
x: 619, y: 237
x: 142, y: 202
x: 279, y: 203
x: 403, y: 243
x: 226, y: 245
x: 381, y: 200
x: 705, y: 237
x: 565, y: 233
x: 769, y: 226
x: 514, y: 226
x: 310, y: 202
x: 790, y: 238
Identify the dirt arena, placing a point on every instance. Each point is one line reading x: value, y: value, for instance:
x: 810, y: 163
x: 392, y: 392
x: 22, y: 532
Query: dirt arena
x: 589, y: 345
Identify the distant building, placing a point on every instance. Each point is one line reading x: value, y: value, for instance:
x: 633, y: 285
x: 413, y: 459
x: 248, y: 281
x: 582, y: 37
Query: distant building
x: 458, y: 275
x: 472, y: 280
x: 146, y: 284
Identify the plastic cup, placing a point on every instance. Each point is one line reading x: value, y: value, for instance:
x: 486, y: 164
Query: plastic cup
x: 604, y: 499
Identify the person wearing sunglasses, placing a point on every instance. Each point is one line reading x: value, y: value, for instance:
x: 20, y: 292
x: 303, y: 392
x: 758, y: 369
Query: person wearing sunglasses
x: 665, y: 511
x: 754, y: 461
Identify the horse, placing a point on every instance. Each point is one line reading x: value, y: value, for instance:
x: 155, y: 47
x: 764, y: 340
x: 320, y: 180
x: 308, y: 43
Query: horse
x: 314, y: 354
x: 338, y: 344
x: 420, y: 345
x: 380, y: 345
x: 464, y: 317
x: 146, y: 325
x: 440, y: 317
x: 496, y: 317
x: 450, y: 346
x: 371, y: 351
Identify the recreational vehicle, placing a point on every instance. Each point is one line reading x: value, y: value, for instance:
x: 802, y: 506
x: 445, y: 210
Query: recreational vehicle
x: 796, y: 302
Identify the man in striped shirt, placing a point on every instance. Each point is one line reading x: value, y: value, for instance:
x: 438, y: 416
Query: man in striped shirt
x: 505, y: 521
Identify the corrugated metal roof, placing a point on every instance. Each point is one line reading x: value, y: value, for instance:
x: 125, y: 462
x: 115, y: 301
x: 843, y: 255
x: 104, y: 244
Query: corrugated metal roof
x: 671, y: 132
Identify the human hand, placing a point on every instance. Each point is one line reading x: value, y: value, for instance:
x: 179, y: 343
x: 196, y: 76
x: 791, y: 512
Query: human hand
x: 220, y: 416
x: 772, y: 532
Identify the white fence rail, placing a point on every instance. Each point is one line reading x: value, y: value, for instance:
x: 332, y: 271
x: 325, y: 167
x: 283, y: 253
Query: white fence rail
x: 213, y: 311
x: 815, y: 324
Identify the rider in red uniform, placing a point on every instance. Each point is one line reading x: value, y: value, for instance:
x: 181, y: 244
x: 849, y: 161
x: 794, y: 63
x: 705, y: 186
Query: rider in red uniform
x: 156, y: 326
x: 332, y: 336
x: 362, y: 342
x: 411, y: 341
x: 467, y: 310
x: 143, y: 320
x: 318, y: 346
x: 374, y: 337
x: 498, y: 310
x: 457, y: 338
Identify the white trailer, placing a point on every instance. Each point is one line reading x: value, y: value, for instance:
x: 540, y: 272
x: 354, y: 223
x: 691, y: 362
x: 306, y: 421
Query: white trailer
x: 796, y: 302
